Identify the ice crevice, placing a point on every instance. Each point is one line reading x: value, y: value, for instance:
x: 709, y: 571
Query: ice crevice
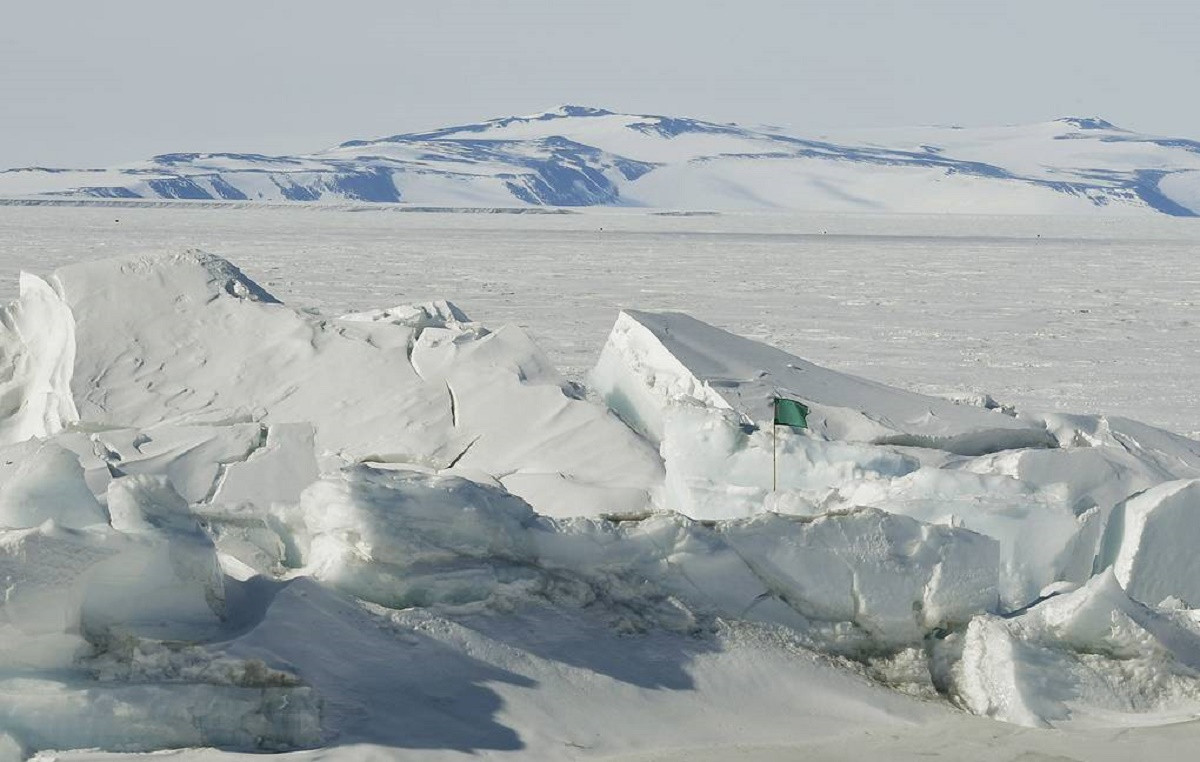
x: 188, y: 464
x: 771, y: 589
x: 222, y: 466
x: 462, y: 454
x: 453, y: 407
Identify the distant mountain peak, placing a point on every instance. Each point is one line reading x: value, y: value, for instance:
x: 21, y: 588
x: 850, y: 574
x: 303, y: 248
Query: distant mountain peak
x: 1088, y: 123
x: 572, y: 110
x: 564, y: 111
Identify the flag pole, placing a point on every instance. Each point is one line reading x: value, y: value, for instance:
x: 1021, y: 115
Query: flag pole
x: 774, y: 453
x: 786, y: 412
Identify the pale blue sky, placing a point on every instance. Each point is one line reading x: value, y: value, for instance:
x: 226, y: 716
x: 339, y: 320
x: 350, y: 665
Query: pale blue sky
x: 96, y: 83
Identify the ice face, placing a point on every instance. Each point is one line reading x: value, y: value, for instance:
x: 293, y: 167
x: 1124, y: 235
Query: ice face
x: 1149, y: 541
x: 43, y: 481
x: 37, y: 345
x: 1073, y: 656
x: 402, y: 538
x: 46, y: 570
x: 152, y: 573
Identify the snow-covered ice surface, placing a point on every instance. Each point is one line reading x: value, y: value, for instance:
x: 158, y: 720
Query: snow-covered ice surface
x: 311, y: 506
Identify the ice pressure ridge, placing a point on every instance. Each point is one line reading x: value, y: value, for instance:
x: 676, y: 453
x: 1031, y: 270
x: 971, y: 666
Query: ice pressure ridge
x: 190, y: 467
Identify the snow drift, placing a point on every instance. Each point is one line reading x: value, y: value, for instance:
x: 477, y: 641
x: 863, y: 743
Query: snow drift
x: 197, y: 480
x: 204, y: 345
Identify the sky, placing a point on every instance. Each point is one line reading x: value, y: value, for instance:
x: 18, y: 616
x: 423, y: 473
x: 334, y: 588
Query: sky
x: 86, y: 83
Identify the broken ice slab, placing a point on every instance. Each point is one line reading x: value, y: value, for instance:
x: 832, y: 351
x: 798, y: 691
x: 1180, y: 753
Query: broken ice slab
x: 1163, y: 454
x: 654, y: 360
x: 186, y: 339
x: 41, y: 480
x: 154, y: 573
x: 1081, y: 657
x: 134, y: 716
x: 37, y: 350
x: 1150, y: 543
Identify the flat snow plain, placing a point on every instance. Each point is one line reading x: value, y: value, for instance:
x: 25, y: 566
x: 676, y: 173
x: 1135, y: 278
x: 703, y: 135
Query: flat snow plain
x: 1074, y: 314
x: 1079, y: 315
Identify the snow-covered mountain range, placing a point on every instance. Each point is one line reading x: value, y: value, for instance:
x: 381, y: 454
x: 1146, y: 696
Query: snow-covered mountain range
x: 582, y: 156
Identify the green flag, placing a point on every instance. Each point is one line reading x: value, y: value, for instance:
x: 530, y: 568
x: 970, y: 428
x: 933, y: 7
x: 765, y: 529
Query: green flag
x: 790, y: 413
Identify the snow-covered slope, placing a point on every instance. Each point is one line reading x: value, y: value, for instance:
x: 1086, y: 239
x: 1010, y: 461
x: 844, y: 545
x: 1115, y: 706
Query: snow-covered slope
x: 580, y: 156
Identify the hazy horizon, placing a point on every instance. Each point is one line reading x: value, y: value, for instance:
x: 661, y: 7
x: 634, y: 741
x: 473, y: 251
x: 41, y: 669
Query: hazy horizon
x: 102, y: 84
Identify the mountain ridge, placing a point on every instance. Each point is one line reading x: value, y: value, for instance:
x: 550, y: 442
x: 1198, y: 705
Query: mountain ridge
x: 576, y: 155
